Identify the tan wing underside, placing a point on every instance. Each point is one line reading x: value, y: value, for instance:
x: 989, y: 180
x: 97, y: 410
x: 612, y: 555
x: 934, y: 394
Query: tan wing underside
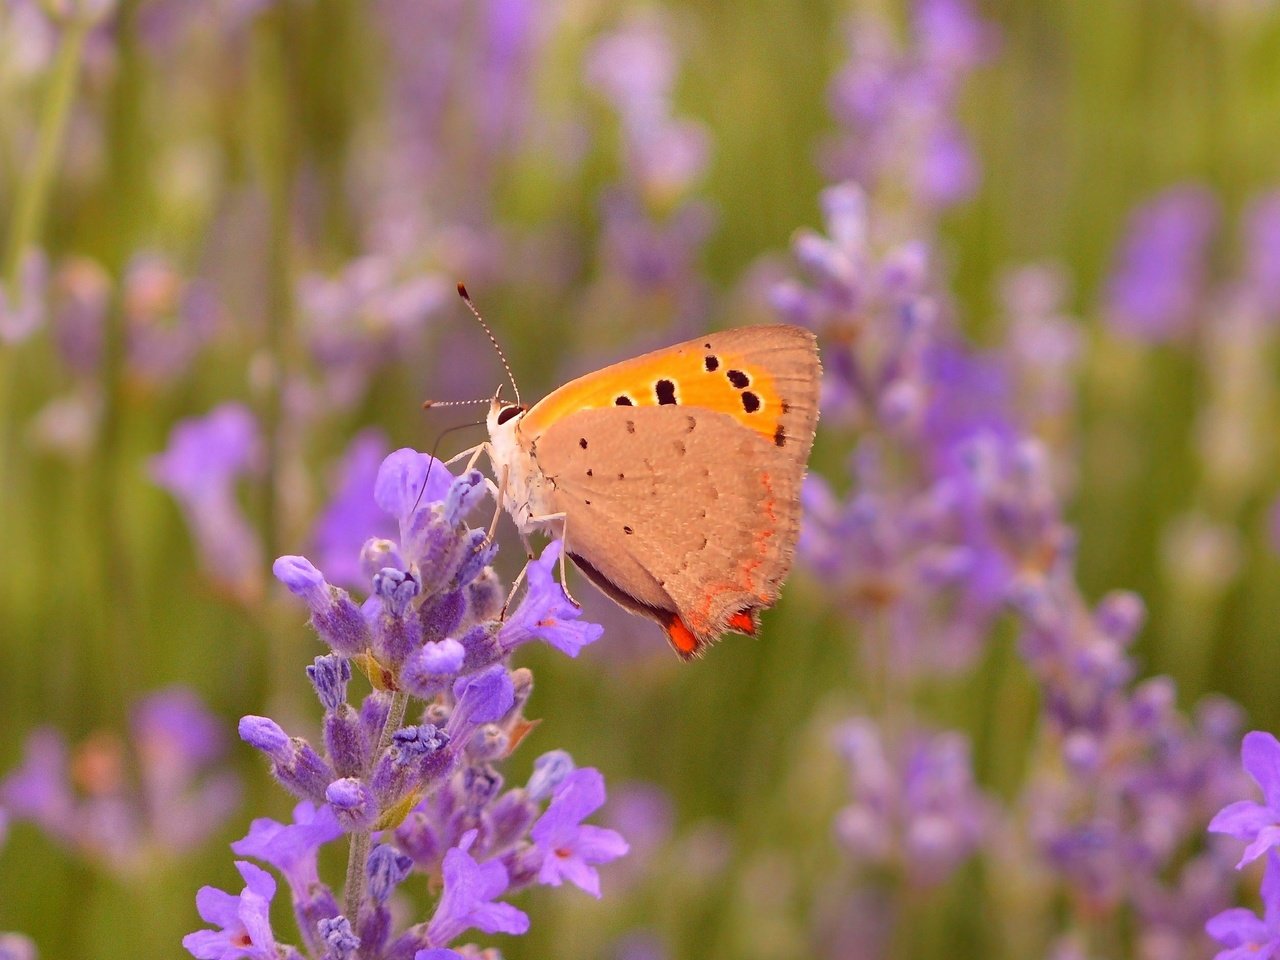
x: 680, y: 512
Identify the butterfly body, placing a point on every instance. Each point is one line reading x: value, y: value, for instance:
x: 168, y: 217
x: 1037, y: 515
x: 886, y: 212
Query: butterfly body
x: 673, y: 477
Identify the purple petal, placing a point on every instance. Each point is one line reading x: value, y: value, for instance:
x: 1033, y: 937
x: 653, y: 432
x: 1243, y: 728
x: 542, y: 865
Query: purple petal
x: 1260, y: 754
x: 1242, y: 819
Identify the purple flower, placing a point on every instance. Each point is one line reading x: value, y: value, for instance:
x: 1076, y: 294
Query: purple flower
x: 1262, y: 252
x: 178, y: 741
x: 569, y: 848
x: 243, y: 922
x: 292, y: 848
x: 915, y: 804
x: 483, y: 697
x: 205, y: 458
x: 470, y: 889
x: 122, y: 822
x: 1246, y: 935
x: 1158, y: 279
x: 169, y: 318
x: 1258, y: 824
x: 22, y: 311
x: 15, y: 946
x: 546, y: 613
x: 363, y: 318
x: 896, y: 104
x: 39, y: 789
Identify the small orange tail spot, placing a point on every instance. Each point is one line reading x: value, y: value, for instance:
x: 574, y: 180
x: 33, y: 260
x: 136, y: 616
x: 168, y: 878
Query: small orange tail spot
x: 743, y: 622
x: 682, y: 638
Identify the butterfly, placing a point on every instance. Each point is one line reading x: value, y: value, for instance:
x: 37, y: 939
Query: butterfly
x: 673, y: 478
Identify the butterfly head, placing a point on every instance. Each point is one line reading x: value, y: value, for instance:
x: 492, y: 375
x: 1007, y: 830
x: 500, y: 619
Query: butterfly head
x: 504, y: 417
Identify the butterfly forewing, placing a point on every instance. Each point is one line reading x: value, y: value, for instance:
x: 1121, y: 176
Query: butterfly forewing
x: 765, y: 378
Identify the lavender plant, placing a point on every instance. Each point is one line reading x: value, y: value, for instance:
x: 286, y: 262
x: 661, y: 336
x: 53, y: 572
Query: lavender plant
x: 424, y: 796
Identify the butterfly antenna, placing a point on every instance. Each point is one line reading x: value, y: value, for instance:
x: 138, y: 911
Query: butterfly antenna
x: 432, y: 404
x: 436, y: 446
x: 466, y: 298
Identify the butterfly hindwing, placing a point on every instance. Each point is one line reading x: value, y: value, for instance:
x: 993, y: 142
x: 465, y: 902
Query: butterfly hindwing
x: 678, y: 513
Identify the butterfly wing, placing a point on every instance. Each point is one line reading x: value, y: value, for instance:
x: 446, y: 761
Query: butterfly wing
x: 688, y: 512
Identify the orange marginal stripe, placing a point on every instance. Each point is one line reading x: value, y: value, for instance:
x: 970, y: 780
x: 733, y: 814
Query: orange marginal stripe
x: 743, y: 623
x: 685, y: 365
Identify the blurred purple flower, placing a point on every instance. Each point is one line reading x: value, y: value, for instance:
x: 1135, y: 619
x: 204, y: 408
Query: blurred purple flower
x: 362, y: 318
x: 15, y: 946
x: 915, y: 804
x: 205, y: 458
x: 179, y: 799
x: 653, y: 228
x: 81, y: 298
x: 571, y: 849
x: 1157, y: 281
x: 896, y: 104
x: 168, y: 318
x: 22, y: 309
x: 27, y: 39
x: 1246, y: 935
x: 1262, y: 252
x: 352, y: 516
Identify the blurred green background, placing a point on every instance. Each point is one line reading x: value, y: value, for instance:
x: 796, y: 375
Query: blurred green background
x: 1085, y: 110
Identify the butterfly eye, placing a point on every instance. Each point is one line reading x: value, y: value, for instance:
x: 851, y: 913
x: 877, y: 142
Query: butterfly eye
x: 506, y: 413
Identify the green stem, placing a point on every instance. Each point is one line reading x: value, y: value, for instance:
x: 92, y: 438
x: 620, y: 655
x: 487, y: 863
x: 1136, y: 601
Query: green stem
x: 359, y: 852
x: 33, y: 196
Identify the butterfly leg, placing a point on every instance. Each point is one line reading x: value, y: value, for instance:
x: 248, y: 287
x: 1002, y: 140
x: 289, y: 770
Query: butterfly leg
x: 472, y: 452
x: 498, y: 496
x: 515, y: 585
x: 564, y: 548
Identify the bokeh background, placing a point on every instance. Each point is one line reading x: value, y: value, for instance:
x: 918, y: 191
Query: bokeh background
x: 266, y: 203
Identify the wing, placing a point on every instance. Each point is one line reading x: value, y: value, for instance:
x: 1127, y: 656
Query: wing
x: 764, y: 378
x: 679, y: 513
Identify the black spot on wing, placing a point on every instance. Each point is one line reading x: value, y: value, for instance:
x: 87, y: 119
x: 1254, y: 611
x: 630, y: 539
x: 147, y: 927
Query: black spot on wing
x: 711, y: 362
x: 739, y: 379
x: 750, y: 402
x: 624, y: 401
x: 665, y: 391
x: 779, y: 438
x: 582, y: 442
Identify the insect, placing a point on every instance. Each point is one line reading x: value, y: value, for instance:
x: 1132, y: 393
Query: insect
x: 674, y: 477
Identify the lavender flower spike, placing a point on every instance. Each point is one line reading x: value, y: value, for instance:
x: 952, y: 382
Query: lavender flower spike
x: 424, y: 796
x: 1256, y: 823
